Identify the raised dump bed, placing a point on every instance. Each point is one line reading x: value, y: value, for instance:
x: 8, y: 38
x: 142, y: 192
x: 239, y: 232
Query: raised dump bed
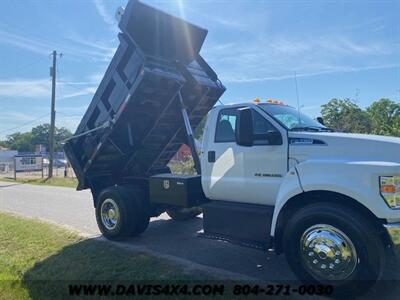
x: 134, y: 125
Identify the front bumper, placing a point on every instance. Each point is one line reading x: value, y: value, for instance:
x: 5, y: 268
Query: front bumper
x: 393, y: 231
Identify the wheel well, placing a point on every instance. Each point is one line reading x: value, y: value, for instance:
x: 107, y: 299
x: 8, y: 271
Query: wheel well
x: 300, y: 200
x: 98, y: 185
x: 96, y: 189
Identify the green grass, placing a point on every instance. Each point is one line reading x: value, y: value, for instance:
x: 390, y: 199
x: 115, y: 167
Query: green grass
x: 39, y: 260
x: 54, y: 181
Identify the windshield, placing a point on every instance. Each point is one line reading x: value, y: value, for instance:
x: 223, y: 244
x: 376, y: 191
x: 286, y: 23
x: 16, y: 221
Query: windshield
x: 291, y: 118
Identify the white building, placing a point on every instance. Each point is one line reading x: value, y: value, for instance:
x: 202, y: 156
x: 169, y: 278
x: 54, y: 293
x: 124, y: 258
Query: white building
x: 7, y: 159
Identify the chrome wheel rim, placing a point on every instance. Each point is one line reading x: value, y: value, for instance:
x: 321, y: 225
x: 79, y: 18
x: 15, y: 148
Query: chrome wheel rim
x: 328, y: 253
x: 110, y: 214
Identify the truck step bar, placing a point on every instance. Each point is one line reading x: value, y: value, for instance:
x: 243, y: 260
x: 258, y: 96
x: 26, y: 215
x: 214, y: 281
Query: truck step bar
x: 229, y: 239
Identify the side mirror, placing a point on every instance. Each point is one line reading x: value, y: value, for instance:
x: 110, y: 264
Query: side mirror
x: 244, y: 127
x: 320, y: 120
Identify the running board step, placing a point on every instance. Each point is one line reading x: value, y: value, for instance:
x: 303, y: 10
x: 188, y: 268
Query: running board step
x: 219, y: 237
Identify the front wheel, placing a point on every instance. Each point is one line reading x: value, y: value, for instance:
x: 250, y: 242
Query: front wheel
x: 330, y: 244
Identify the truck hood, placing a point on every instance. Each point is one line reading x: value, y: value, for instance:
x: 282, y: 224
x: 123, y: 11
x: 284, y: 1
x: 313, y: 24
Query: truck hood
x: 343, y: 146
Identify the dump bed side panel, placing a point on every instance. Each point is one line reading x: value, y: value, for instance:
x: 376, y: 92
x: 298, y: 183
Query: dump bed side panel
x: 133, y: 126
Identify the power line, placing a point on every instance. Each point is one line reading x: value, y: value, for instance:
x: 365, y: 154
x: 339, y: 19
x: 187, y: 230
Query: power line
x: 24, y: 124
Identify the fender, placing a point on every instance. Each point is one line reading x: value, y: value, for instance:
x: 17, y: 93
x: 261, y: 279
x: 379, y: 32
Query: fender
x: 290, y: 187
x: 358, y: 180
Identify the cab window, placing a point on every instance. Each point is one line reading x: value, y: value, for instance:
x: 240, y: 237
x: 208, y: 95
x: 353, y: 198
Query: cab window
x: 261, y: 127
x: 226, y: 125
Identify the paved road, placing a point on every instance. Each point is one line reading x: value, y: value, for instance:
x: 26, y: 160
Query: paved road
x: 74, y: 209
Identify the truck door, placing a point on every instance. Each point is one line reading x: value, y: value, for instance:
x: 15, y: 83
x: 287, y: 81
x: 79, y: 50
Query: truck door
x: 221, y: 171
x: 244, y: 174
x: 264, y: 163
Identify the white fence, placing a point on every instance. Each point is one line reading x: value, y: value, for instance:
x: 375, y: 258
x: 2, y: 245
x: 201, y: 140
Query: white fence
x: 7, y: 171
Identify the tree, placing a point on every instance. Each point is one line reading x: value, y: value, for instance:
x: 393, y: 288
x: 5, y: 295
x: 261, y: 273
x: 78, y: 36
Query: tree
x: 345, y: 115
x: 60, y: 135
x: 385, y: 117
x: 3, y: 144
x: 39, y: 135
x: 20, y: 141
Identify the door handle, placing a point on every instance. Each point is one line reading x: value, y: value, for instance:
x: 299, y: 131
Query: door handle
x: 211, y: 156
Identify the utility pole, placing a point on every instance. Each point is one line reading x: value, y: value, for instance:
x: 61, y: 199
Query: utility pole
x: 53, y: 113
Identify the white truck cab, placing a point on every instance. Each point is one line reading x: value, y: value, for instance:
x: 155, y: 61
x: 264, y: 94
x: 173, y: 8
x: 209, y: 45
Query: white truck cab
x: 277, y: 178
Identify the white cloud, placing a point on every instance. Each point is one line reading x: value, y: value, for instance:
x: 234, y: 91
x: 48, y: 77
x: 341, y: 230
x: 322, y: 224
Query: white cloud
x: 39, y: 88
x: 77, y: 49
x: 16, y: 116
x: 107, y: 49
x: 20, y: 122
x: 232, y: 78
x: 28, y: 89
x: 107, y: 17
x: 244, y: 22
x: 96, y: 78
x: 70, y: 122
x: 72, y: 89
x: 73, y: 110
x: 22, y: 88
x: 25, y: 43
x: 276, y: 58
x: 81, y: 92
x: 231, y: 24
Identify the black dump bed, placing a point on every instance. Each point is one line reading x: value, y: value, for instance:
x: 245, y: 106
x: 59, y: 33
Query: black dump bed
x: 134, y: 125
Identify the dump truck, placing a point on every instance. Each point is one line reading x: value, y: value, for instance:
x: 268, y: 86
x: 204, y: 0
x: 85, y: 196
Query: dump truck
x: 267, y: 176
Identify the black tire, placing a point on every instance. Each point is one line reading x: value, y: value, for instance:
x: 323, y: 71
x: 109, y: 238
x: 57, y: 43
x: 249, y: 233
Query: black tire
x: 140, y: 204
x: 184, y: 214
x: 131, y: 220
x: 125, y: 209
x: 370, y: 254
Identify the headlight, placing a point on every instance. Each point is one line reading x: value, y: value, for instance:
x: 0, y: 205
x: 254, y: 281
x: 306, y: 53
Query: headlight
x: 390, y: 190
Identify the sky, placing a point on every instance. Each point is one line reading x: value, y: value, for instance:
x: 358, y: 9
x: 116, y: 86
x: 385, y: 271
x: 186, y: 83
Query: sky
x: 337, y: 49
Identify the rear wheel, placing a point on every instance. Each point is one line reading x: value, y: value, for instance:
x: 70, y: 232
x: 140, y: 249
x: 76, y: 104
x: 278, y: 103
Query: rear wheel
x: 120, y: 213
x: 183, y: 214
x: 330, y: 244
